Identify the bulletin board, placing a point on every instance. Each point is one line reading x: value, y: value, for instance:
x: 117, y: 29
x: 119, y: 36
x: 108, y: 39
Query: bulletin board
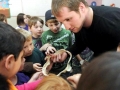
x: 31, y: 7
x: 4, y: 8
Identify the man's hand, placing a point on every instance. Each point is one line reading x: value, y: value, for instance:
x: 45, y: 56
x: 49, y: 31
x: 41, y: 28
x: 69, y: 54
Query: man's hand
x: 58, y: 57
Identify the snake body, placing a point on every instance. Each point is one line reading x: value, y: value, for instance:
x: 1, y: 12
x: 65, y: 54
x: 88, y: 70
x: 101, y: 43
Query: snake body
x: 68, y: 67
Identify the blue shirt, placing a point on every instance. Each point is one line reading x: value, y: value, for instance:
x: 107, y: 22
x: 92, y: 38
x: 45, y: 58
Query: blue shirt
x: 22, y: 78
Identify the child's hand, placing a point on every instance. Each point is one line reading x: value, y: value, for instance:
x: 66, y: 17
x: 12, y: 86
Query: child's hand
x: 37, y: 67
x: 36, y: 76
x: 50, y: 50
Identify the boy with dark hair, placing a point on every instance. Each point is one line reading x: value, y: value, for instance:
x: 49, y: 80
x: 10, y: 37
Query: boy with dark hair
x: 11, y: 51
x: 11, y: 55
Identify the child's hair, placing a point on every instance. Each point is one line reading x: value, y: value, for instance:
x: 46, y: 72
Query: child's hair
x: 53, y: 82
x: 11, y: 41
x: 4, y: 84
x: 20, y: 19
x: 26, y: 34
x: 103, y: 73
x: 28, y: 16
x: 33, y: 20
x: 3, y: 17
x: 49, y: 17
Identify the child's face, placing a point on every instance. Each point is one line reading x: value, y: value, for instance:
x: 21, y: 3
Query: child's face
x: 25, y: 19
x: 37, y: 30
x: 28, y: 48
x: 54, y: 27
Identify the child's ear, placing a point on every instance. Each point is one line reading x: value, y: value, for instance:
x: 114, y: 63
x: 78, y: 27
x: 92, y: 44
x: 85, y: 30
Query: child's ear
x: 9, y: 62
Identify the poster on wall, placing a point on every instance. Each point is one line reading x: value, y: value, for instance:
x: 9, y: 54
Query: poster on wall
x: 4, y: 8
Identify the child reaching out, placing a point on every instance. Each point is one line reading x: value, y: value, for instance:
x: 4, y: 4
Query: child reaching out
x: 32, y: 55
x: 21, y: 78
x: 58, y: 37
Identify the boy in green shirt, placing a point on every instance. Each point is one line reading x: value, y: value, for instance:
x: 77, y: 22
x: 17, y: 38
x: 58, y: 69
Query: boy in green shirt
x: 58, y: 37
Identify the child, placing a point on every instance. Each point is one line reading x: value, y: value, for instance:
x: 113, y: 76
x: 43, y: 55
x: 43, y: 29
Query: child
x: 11, y: 55
x: 3, y: 18
x: 21, y: 19
x: 53, y: 82
x: 36, y: 27
x: 58, y: 37
x: 31, y: 54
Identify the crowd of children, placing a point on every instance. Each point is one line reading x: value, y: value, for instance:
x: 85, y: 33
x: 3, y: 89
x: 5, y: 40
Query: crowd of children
x: 29, y: 72
x: 23, y: 50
